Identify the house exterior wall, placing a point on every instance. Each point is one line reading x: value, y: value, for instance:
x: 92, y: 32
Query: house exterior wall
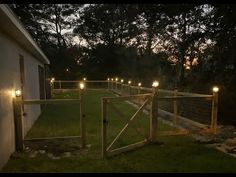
x: 10, y: 53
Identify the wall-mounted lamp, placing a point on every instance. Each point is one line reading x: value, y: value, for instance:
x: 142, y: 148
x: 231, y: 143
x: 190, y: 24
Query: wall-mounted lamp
x: 18, y: 93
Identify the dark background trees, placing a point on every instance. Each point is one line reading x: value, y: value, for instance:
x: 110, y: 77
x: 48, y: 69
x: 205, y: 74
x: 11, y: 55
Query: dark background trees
x: 191, y: 46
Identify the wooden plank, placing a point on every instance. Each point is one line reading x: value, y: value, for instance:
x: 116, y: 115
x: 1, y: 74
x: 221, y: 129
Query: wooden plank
x: 18, y: 123
x: 194, y: 94
x: 182, y: 97
x: 51, y: 101
x: 128, y: 123
x: 51, y: 138
x: 104, y: 126
x: 154, y: 115
x: 129, y: 97
x: 82, y: 121
x: 214, y: 111
x: 175, y: 108
x: 173, y: 133
x: 127, y: 148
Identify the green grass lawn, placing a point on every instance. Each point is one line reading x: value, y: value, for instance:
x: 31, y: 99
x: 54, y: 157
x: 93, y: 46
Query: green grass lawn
x: 176, y: 154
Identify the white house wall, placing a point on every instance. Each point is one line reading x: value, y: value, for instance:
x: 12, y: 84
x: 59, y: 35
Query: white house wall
x: 9, y: 81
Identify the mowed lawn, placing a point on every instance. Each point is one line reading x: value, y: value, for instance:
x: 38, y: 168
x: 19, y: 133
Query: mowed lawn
x: 175, y: 154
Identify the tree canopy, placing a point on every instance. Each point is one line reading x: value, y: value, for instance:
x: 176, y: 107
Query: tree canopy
x: 191, y: 46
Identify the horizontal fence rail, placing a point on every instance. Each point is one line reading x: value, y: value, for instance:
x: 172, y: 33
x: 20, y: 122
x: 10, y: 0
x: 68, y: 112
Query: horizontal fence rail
x: 51, y: 101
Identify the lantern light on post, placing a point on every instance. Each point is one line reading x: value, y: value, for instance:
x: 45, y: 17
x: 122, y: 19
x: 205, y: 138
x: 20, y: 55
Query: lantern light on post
x: 108, y: 79
x: 18, y: 93
x: 215, y: 89
x: 129, y: 82
x: 139, y: 84
x: 214, y: 112
x: 116, y: 79
x: 155, y: 84
x: 81, y: 85
x: 111, y: 79
x: 122, y: 80
x: 84, y: 78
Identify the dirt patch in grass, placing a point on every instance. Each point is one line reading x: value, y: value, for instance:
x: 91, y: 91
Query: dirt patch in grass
x: 55, y: 147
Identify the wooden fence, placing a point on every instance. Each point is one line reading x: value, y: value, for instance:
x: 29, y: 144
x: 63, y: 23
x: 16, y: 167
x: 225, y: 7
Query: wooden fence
x: 18, y: 118
x: 198, y: 109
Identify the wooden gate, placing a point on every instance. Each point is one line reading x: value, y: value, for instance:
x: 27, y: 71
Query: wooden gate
x: 108, y: 149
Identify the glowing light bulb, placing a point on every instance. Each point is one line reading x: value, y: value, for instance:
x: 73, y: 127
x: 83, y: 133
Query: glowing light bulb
x: 215, y: 89
x: 155, y: 84
x: 81, y: 85
x: 18, y: 93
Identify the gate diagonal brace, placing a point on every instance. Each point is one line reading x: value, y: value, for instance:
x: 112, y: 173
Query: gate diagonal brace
x: 128, y: 123
x: 122, y: 115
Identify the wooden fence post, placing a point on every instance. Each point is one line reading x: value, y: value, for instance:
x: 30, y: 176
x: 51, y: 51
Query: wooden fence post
x: 82, y: 121
x: 129, y: 89
x: 104, y: 127
x: 108, y: 84
x: 112, y: 84
x: 175, y: 107
x: 18, y: 123
x: 214, y: 112
x: 153, y: 115
x: 59, y: 84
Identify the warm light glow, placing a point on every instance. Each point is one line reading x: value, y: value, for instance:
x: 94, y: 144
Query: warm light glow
x: 12, y: 93
x: 108, y: 79
x: 139, y: 84
x: 155, y: 84
x: 18, y: 93
x: 187, y: 67
x: 122, y: 80
x: 112, y: 79
x: 81, y: 85
x: 84, y: 78
x: 67, y: 69
x: 116, y: 79
x: 215, y: 89
x: 129, y: 82
x: 52, y: 80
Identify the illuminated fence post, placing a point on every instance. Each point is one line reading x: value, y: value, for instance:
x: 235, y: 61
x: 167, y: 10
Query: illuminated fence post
x: 59, y: 84
x: 112, y: 83
x: 154, y: 112
x: 129, y: 87
x: 108, y: 83
x: 116, y: 82
x: 18, y: 121
x: 121, y: 86
x: 104, y: 126
x: 214, y: 109
x: 82, y: 116
x: 139, y: 87
x: 175, y: 106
